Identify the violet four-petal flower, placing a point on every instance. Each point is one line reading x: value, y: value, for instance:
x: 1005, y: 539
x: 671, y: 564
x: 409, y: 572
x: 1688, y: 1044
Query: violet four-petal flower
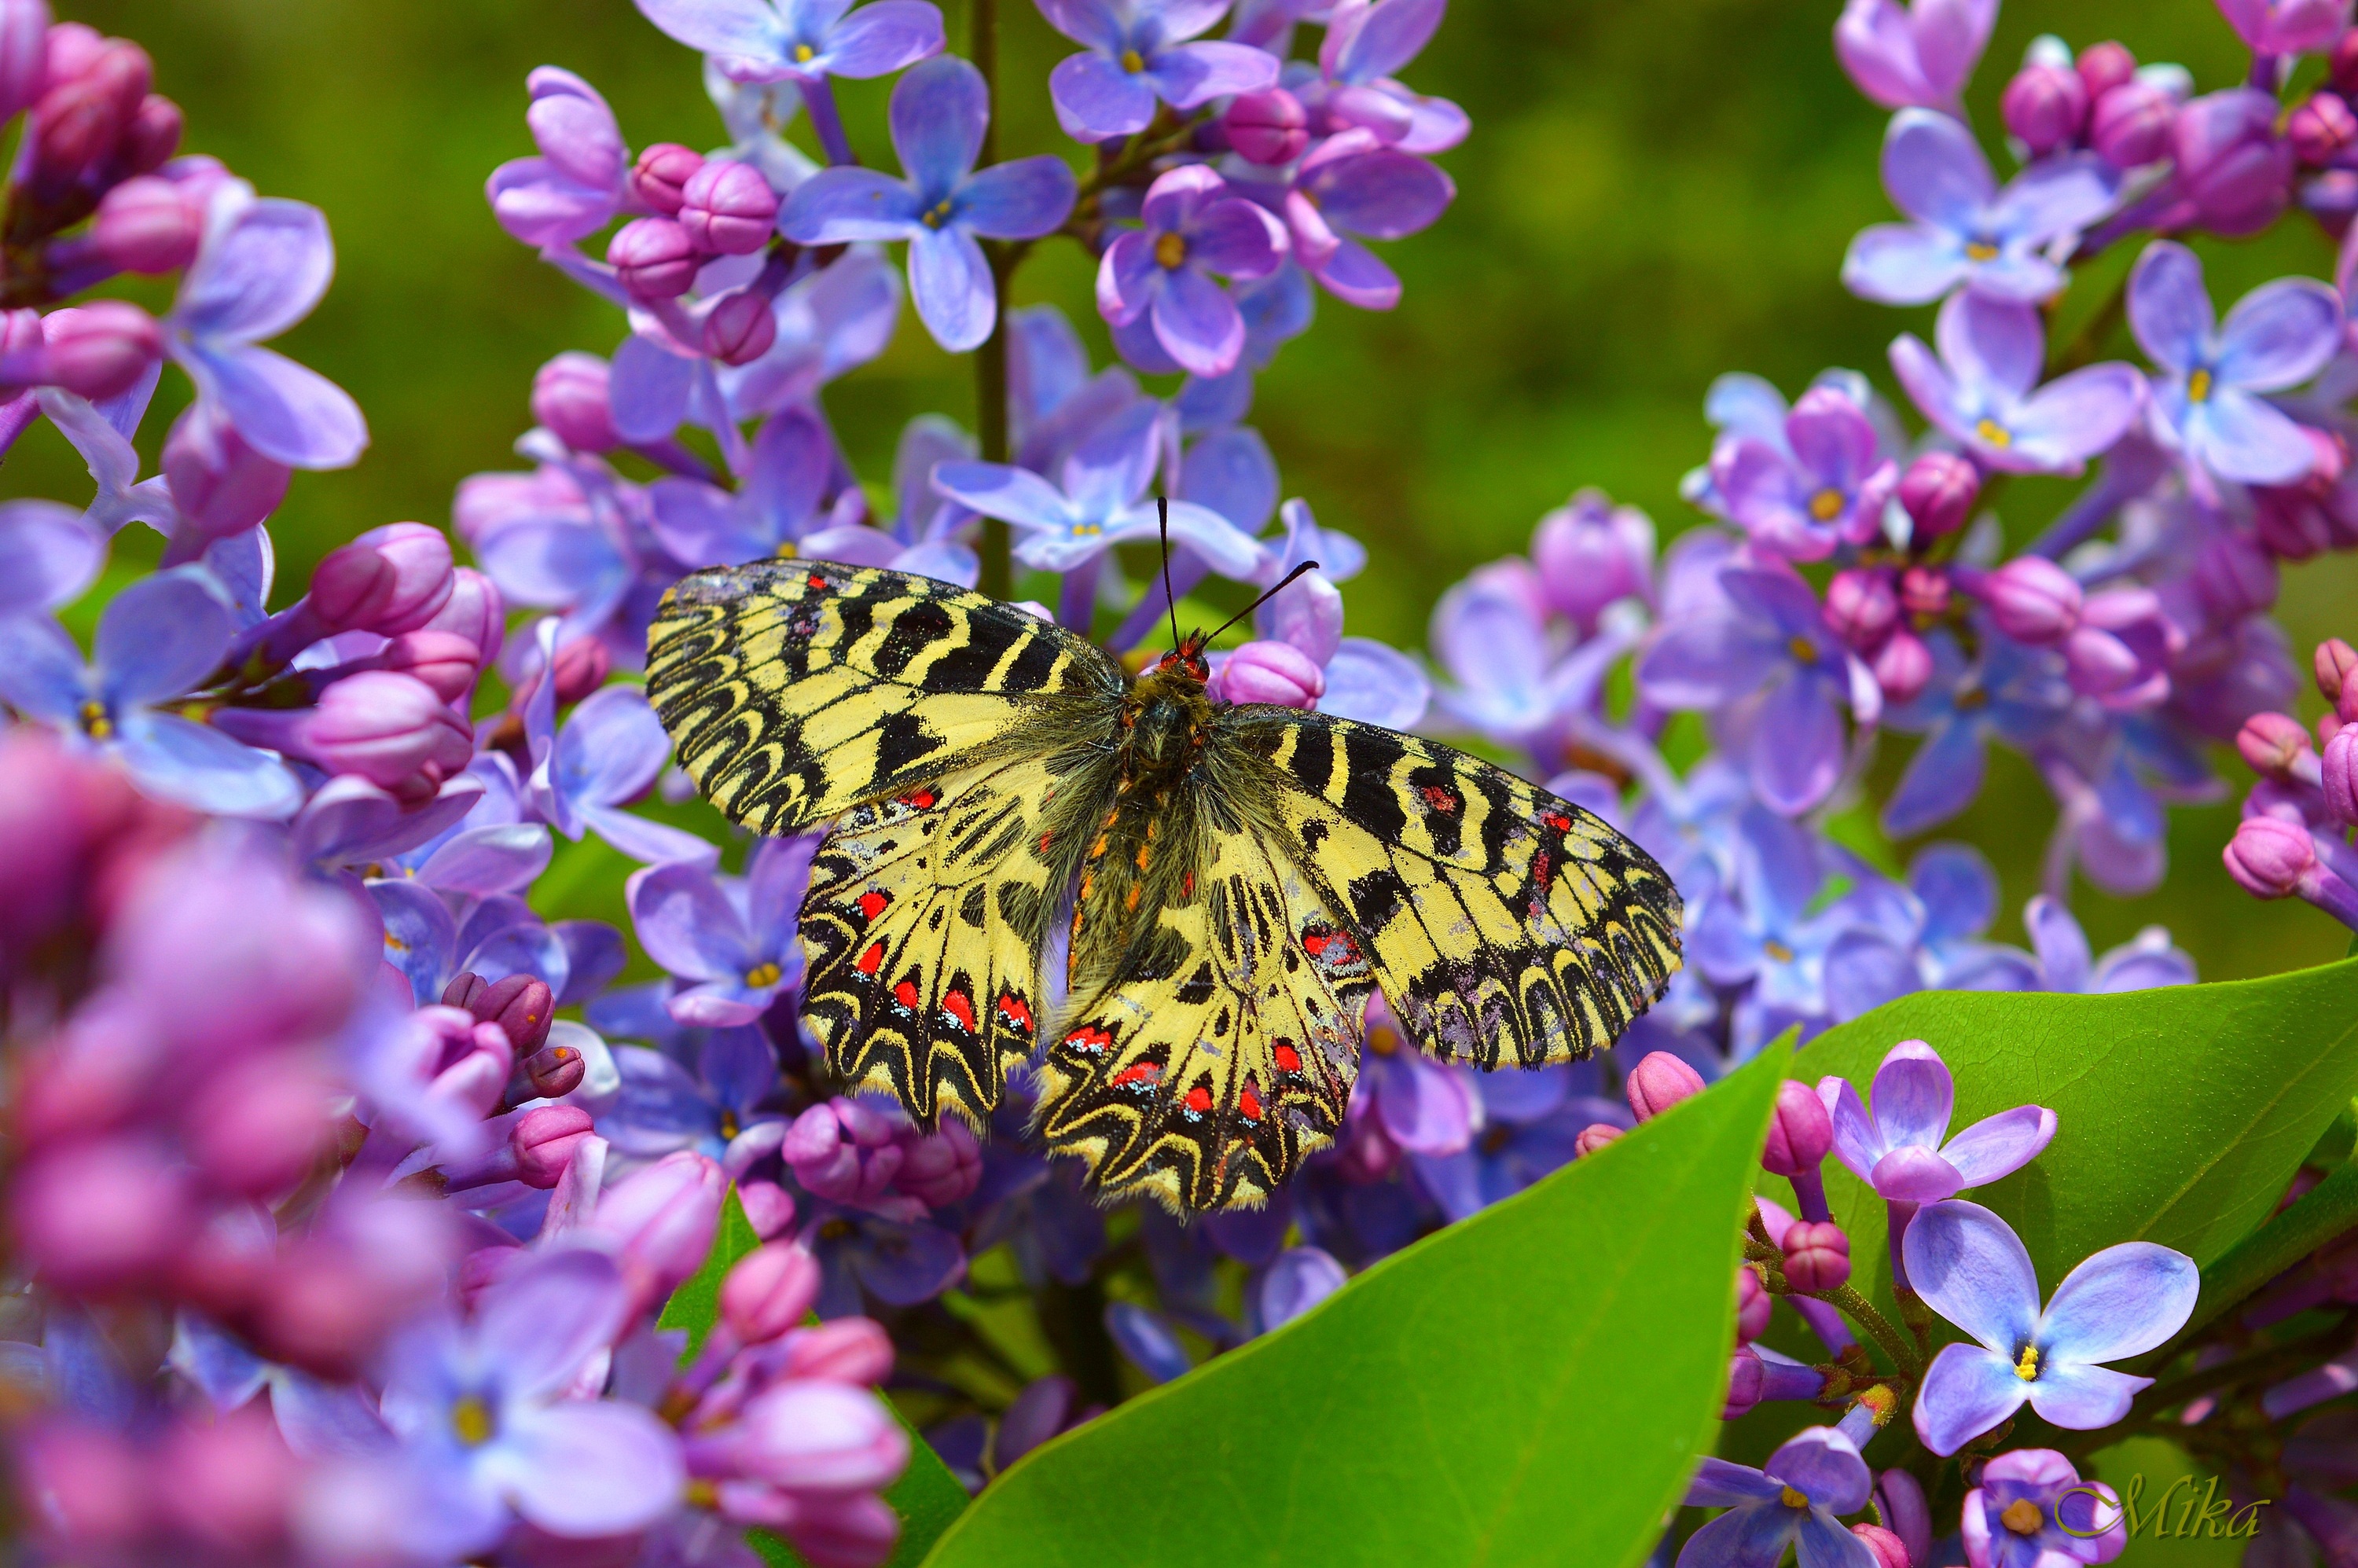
x: 775, y: 40
x: 1139, y: 51
x: 2032, y: 1511
x: 1827, y: 487
x: 1898, y: 1140
x: 1793, y: 1501
x: 1195, y: 226
x: 1982, y: 390
x: 1918, y: 55
x: 736, y: 939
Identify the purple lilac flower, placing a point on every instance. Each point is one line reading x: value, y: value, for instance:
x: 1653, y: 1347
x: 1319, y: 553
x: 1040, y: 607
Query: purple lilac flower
x: 262, y: 265
x: 1424, y: 1106
x: 2032, y: 1511
x: 579, y: 181
x: 777, y: 505
x: 1295, y: 1281
x: 2147, y: 960
x: 1763, y: 928
x: 1744, y: 406
x: 1367, y: 43
x: 48, y: 554
x: 2016, y: 693
x: 1530, y: 1120
x: 801, y: 40
x: 1791, y: 1502
x: 1959, y: 894
x: 1972, y: 1268
x: 479, y: 1409
x: 938, y: 113
x: 1362, y: 679
x: 1160, y: 275
x: 102, y: 435
x: 717, y: 1109
x: 1919, y: 55
x: 1767, y: 638
x: 1139, y: 52
x: 1902, y: 1146
x: 608, y: 754
x: 900, y: 1262
x: 572, y: 538
x: 1148, y: 1341
x: 497, y: 936
x: 1965, y: 229
x: 158, y: 638
x: 1984, y: 391
x: 735, y: 939
x: 1827, y: 487
x: 1352, y: 185
x: 2205, y: 405
x: 1053, y: 400
x: 2286, y: 26
x: 1510, y: 681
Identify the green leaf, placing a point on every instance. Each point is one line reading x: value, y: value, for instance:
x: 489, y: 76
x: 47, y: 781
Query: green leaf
x: 2182, y: 1113
x: 1530, y: 1385
x: 926, y: 1496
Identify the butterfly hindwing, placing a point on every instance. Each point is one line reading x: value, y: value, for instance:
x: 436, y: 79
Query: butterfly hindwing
x: 924, y: 923
x: 796, y: 690
x: 1505, y: 925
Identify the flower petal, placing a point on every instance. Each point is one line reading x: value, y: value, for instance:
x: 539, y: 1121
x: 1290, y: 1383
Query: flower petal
x: 2169, y: 310
x: 2082, y: 1398
x: 178, y: 760
x: 1237, y: 239
x: 2236, y: 436
x: 748, y: 28
x: 1197, y: 324
x: 1967, y: 1391
x: 1194, y: 74
x: 1021, y: 199
x: 844, y: 205
x: 687, y: 925
x: 590, y: 1467
x: 2000, y: 1145
x: 49, y: 555
x: 1720, y: 1484
x: 648, y: 842
x: 1859, y: 1142
x: 2279, y: 335
x: 2122, y: 1301
x: 1973, y: 1270
x: 1384, y: 195
x: 1993, y: 343
x: 2055, y: 196
x: 1095, y: 99
x: 541, y: 1322
x: 1010, y: 494
x: 258, y: 273
x: 1222, y: 545
x: 1357, y: 276
x: 952, y: 285
x: 1913, y: 1173
x: 881, y: 37
x: 1903, y: 263
x: 1823, y: 1465
x: 161, y: 636
x: 1942, y: 779
x: 610, y: 749
x: 939, y: 111
x: 1913, y: 1095
x: 1797, y: 745
x: 1934, y: 171
x: 41, y: 674
x: 288, y: 412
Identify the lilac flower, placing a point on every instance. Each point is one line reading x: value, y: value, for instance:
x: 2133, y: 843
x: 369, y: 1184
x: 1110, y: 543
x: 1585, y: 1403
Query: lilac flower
x: 1973, y: 1270
x: 158, y: 638
x: 2286, y: 26
x: 2144, y: 961
x: 608, y: 754
x: 2278, y: 336
x: 703, y: 525
x: 938, y: 113
x: 1901, y: 1147
x: 49, y: 555
x: 1530, y: 1120
x: 579, y: 181
x: 499, y: 937
x: 262, y: 265
x: 1139, y: 52
x: 103, y: 438
x: 1097, y: 502
x: 1764, y: 928
x: 1508, y: 681
x: 1053, y: 402
x: 1828, y: 487
x: 1984, y: 390
x: 1148, y: 1341
x: 1295, y: 1281
x: 2017, y: 694
x: 479, y: 1408
x: 1367, y: 43
x: 716, y: 1110
x: 801, y: 40
x: 735, y: 938
x: 899, y: 1262
x: 1351, y: 185
x: 1965, y: 230
x: 1193, y: 227
x: 1791, y: 1502
x: 1769, y: 637
x: 2032, y: 1511
x: 1919, y: 55
x: 1424, y: 1106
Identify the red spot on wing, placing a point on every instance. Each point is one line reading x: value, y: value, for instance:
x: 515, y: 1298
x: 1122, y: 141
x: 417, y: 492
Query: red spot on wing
x: 1557, y: 820
x: 1543, y: 870
x: 1248, y: 1103
x: 1137, y: 1075
x: 1089, y: 1040
x: 1289, y: 1060
x: 920, y: 800
x: 1198, y: 1100
x: 817, y: 583
x: 874, y: 903
x: 1439, y: 798
x: 905, y: 994
x: 1187, y: 886
x: 870, y: 959
x: 1014, y: 1012
x: 958, y: 1010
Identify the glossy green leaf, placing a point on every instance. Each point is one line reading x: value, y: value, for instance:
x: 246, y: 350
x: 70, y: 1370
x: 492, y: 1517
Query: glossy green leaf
x: 1531, y: 1385
x: 926, y: 1496
x: 2182, y: 1113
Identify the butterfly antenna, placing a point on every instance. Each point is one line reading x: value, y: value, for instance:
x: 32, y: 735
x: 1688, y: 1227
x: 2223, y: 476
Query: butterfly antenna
x: 1281, y: 585
x: 1170, y: 600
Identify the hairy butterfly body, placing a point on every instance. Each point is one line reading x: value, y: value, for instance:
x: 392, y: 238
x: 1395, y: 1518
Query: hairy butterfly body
x: 1231, y: 883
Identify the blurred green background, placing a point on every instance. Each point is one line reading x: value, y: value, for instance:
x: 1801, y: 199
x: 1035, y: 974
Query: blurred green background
x: 1652, y: 194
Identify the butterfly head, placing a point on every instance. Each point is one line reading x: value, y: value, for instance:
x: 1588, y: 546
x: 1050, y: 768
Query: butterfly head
x: 1186, y: 661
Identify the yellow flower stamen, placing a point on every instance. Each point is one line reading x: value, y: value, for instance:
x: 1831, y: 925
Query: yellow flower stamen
x: 1980, y: 250
x: 2028, y: 1367
x: 1793, y: 1499
x: 471, y: 1418
x: 1778, y: 950
x: 805, y: 54
x: 1169, y: 251
x: 2197, y: 386
x: 1132, y: 61
x: 1804, y: 652
x: 94, y: 721
x: 763, y: 974
x: 1827, y: 505
x: 2023, y: 1517
x: 1995, y: 434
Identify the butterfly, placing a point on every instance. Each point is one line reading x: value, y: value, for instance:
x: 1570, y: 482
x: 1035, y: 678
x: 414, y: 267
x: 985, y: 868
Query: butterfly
x: 1227, y: 883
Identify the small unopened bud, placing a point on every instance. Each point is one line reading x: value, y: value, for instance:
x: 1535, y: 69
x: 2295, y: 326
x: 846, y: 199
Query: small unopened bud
x: 2045, y: 107
x: 474, y: 611
x: 152, y: 136
x: 420, y: 558
x: 2271, y: 743
x: 2103, y: 67
x: 98, y: 350
x: 554, y: 1071
x: 1886, y: 1548
x: 1938, y: 493
x: 388, y: 728
x: 220, y: 485
x: 146, y: 225
x: 544, y: 1139
x: 445, y: 661
x: 939, y: 1170
x: 1753, y: 1305
x: 1861, y: 606
x: 581, y: 668
x: 1800, y: 1133
x: 521, y: 1005
x: 1659, y: 1082
x: 2234, y: 577
x: 73, y: 126
x: 2338, y: 770
x: 741, y: 328
x: 769, y: 1208
x: 661, y: 1222
x: 769, y: 1291
x: 2268, y: 856
x: 2031, y: 599
x: 728, y: 209
x: 464, y: 987
x: 847, y: 1350
x: 1925, y: 591
x: 1902, y: 667
x: 570, y: 397
x: 24, y: 53
x: 1269, y: 129
x: 657, y: 179
x: 653, y: 258
x: 2342, y: 63
x: 2333, y: 661
x: 2321, y: 128
x: 2129, y: 125
x: 1593, y: 1137
x: 1270, y: 672
x: 1817, y: 1257
x: 1744, y: 1382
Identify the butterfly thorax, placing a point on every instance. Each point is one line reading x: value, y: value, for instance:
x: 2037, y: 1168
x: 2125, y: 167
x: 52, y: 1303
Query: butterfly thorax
x: 1164, y: 719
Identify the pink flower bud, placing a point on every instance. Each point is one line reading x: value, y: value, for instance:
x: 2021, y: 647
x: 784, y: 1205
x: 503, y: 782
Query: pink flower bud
x: 2269, y: 856
x: 769, y: 1291
x: 570, y: 396
x: 554, y: 1071
x: 1938, y: 493
x: 662, y: 171
x: 1924, y: 591
x: 2234, y: 577
x: 98, y: 350
x: 1886, y: 1548
x: 23, y: 54
x: 2334, y: 660
x: 653, y: 257
x: 1861, y: 606
x: 2341, y: 64
x: 146, y: 225
x: 1270, y: 672
x: 257, y: 1128
x: 1591, y: 553
x: 661, y: 1222
x: 1800, y: 1133
x: 542, y: 1141
x: 728, y: 209
x: 1659, y: 1082
x: 445, y: 661
x: 1745, y: 1382
x: 220, y: 485
x: 70, y: 48
x: 1269, y: 127
x: 1593, y: 1137
x: 2130, y: 124
x: 384, y: 727
x: 2271, y: 743
x: 582, y: 665
x: 1902, y: 667
x: 521, y: 1005
x: 420, y: 559
x: 2321, y: 128
x: 741, y: 327
x: 2045, y: 107
x: 97, y: 1217
x: 74, y: 126
x: 769, y: 1208
x: 939, y: 1170
x: 230, y: 1483
x: 477, y: 1064
x: 805, y: 1435
x: 1753, y: 1305
x: 1817, y: 1257
x: 845, y: 1350
x: 2031, y: 599
x: 475, y: 611
x: 2103, y: 67
x: 2234, y: 174
x: 153, y: 136
x: 122, y: 71
x: 2338, y: 771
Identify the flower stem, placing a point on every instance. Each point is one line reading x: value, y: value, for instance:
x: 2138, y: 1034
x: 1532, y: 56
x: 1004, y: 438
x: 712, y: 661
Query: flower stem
x: 1846, y: 1299
x: 2089, y: 342
x: 998, y: 579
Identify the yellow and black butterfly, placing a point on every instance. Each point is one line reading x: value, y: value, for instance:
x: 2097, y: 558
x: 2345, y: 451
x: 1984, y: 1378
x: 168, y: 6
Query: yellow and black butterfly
x: 1233, y: 879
